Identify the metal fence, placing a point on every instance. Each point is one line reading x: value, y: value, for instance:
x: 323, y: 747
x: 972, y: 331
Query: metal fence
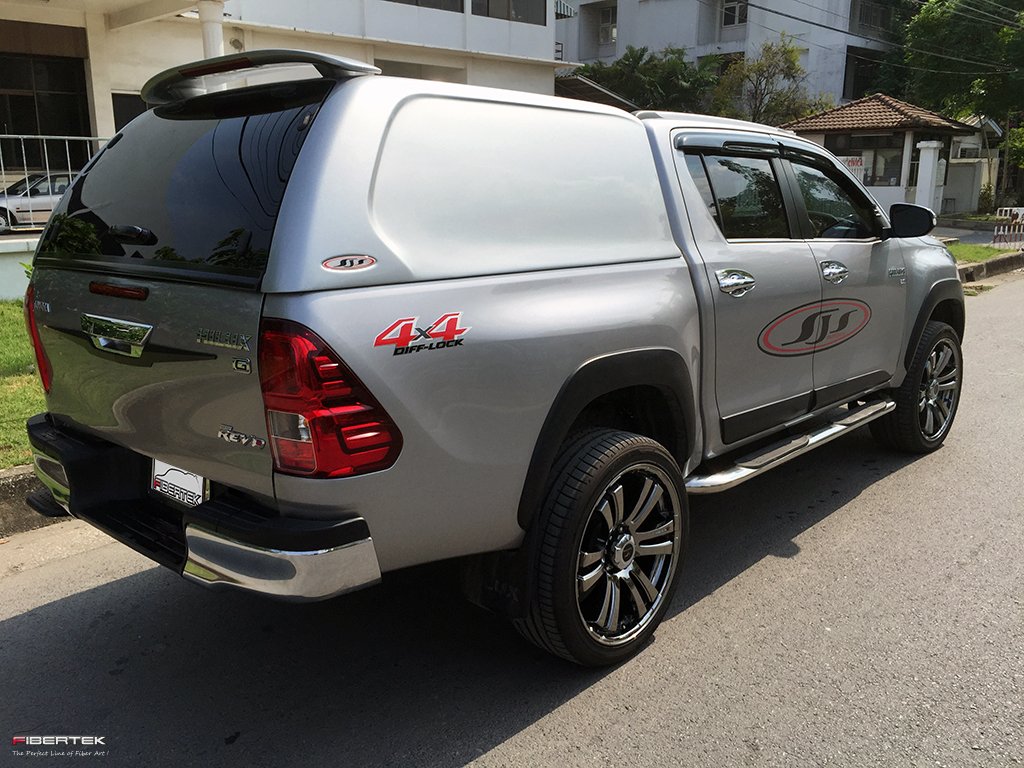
x: 34, y: 173
x: 1010, y: 234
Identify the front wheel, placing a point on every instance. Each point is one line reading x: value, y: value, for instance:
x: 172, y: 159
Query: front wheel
x: 6, y: 221
x: 927, y: 402
x: 607, y: 553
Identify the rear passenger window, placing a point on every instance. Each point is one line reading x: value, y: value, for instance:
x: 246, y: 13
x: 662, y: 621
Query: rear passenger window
x: 748, y: 196
x: 700, y: 177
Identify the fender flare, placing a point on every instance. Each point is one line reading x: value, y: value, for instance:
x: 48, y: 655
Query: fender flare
x: 662, y: 369
x: 949, y: 289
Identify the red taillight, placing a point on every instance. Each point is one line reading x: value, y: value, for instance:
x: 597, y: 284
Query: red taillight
x: 42, y: 361
x: 321, y: 420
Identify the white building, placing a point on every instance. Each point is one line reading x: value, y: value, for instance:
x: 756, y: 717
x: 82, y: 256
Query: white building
x: 76, y: 66
x: 841, y: 40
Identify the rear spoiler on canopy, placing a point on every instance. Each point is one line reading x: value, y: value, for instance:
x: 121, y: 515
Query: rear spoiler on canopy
x: 199, y: 77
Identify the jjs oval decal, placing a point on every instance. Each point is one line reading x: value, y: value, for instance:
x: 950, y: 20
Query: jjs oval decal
x: 342, y: 263
x: 814, y: 327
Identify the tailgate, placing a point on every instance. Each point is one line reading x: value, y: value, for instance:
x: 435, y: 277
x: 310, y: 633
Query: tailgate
x: 188, y: 394
x: 146, y: 285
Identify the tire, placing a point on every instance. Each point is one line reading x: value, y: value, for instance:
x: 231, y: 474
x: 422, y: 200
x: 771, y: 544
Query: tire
x: 6, y: 221
x: 597, y: 595
x: 927, y: 401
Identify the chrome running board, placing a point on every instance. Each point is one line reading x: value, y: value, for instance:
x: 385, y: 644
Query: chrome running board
x: 761, y: 461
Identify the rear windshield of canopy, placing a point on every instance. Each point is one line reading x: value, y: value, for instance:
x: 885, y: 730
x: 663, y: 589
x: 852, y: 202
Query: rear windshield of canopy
x: 189, y: 190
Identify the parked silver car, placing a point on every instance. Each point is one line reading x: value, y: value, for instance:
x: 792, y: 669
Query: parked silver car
x: 31, y: 200
x: 297, y: 335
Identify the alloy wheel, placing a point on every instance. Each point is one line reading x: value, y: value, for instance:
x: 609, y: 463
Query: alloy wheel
x: 628, y: 554
x: 939, y: 390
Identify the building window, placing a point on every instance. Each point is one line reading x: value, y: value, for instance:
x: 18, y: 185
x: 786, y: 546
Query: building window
x: 525, y: 11
x: 881, y: 155
x: 734, y: 14
x: 608, y: 27
x: 440, y: 5
x: 870, y: 17
x: 42, y: 95
x: 722, y: 61
x: 863, y: 67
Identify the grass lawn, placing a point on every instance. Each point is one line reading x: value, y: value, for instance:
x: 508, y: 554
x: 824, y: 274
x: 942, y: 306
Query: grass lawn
x: 21, y: 394
x: 976, y: 253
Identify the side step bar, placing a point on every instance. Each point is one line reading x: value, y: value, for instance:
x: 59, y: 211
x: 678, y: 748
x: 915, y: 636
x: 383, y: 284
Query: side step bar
x: 779, y: 453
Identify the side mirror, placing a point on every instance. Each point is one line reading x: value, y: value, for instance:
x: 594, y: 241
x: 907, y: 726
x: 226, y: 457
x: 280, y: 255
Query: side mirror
x: 910, y: 220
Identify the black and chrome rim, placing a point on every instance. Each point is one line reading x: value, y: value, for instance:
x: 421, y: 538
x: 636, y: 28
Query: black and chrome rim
x: 940, y: 390
x: 628, y: 554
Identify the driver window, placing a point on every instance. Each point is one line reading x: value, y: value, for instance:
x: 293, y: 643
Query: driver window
x: 833, y: 211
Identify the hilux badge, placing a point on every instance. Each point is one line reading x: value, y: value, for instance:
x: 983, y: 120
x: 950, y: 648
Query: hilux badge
x: 215, y: 338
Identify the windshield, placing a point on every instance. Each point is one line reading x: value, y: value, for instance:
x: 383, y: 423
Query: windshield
x: 21, y: 186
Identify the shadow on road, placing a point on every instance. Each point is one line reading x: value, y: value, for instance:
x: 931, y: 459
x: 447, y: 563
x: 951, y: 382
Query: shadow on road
x: 403, y: 674
x: 731, y: 531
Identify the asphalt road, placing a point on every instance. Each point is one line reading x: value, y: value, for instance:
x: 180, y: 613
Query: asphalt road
x: 968, y: 236
x: 854, y: 608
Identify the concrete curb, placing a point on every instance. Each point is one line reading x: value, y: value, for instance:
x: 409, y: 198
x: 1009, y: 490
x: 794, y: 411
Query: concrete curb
x: 972, y: 273
x: 15, y: 515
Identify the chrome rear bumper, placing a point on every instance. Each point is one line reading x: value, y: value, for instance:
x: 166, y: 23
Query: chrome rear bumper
x: 228, y: 542
x: 218, y: 562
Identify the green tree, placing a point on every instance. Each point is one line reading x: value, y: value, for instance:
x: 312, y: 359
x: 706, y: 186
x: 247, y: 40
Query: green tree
x: 893, y: 75
x: 1015, y: 146
x: 663, y: 81
x: 969, y: 59
x: 767, y: 89
x: 967, y: 56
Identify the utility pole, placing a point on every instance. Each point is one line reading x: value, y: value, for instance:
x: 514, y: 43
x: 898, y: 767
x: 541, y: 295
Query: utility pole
x: 1006, y: 158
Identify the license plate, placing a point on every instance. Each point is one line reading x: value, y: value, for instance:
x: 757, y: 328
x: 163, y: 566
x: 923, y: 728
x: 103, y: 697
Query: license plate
x: 184, y: 487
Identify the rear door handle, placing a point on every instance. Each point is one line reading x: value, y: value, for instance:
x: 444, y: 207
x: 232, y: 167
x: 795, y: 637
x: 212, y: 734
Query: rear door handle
x: 834, y: 271
x: 735, y: 282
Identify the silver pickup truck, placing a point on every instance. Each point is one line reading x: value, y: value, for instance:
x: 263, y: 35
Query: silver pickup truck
x: 297, y: 334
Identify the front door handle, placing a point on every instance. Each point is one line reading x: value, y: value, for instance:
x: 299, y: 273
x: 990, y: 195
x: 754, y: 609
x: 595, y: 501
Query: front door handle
x: 735, y: 282
x: 834, y: 271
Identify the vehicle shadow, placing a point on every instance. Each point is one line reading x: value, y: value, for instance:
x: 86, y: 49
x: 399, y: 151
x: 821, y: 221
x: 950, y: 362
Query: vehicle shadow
x: 403, y: 674
x: 731, y: 531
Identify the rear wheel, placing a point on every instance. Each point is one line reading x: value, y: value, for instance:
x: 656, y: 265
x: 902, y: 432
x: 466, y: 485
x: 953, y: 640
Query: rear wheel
x: 927, y: 402
x: 608, y: 550
x: 6, y: 221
